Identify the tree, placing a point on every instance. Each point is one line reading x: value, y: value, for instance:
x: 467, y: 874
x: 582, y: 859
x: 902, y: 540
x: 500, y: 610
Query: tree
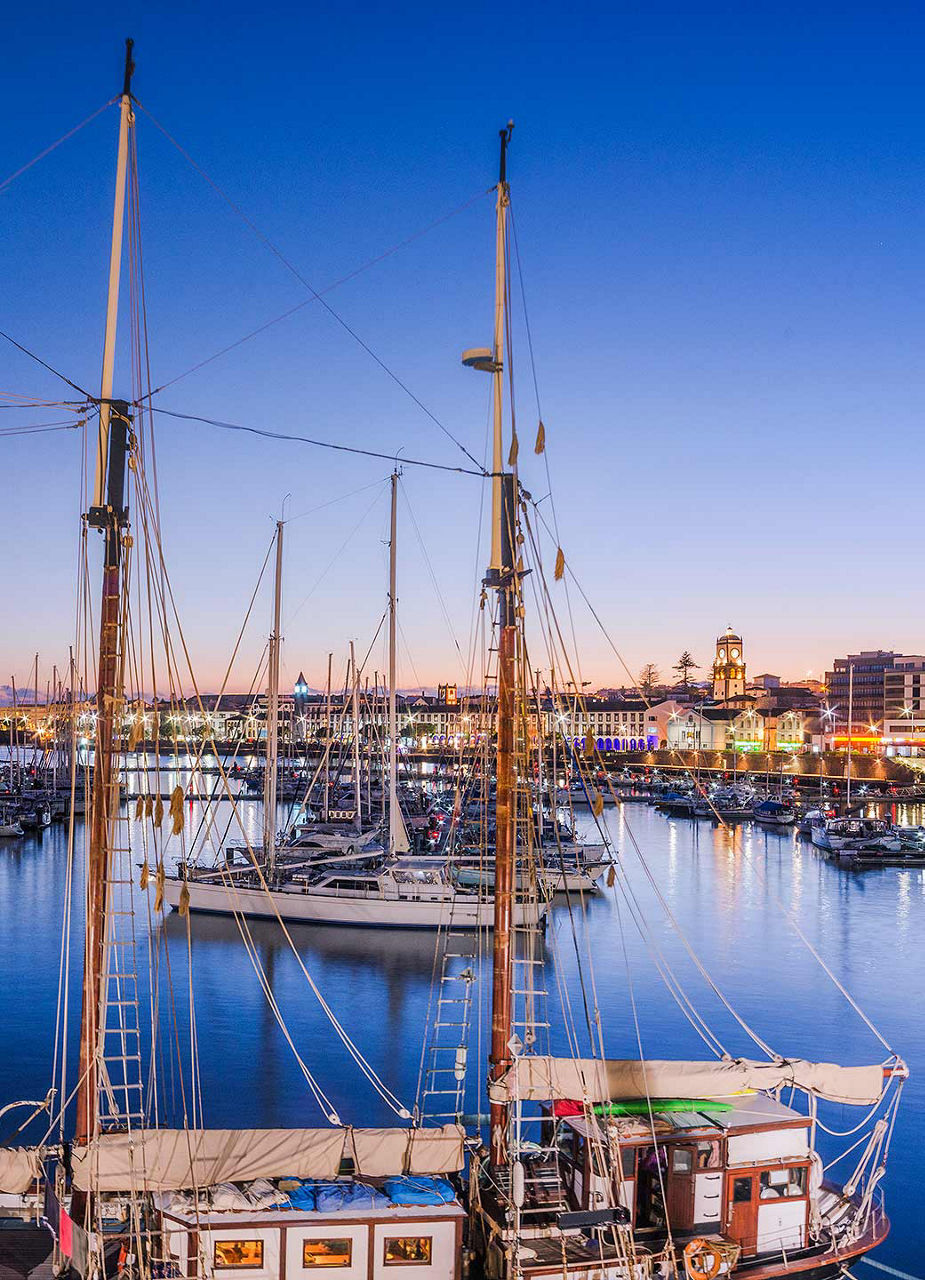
x: 648, y: 678
x: 684, y: 665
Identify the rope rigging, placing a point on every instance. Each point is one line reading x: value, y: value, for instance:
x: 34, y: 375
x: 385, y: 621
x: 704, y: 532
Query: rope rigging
x: 316, y: 296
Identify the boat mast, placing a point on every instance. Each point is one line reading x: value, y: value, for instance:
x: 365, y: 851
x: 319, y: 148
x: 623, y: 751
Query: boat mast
x: 398, y: 837
x: 850, y: 731
x: 126, y: 120
x: 272, y: 760
x: 355, y: 713
x: 327, y: 745
x: 108, y: 514
x: 501, y: 578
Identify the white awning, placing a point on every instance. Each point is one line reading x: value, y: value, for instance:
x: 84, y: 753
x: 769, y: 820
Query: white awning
x: 180, y: 1159
x: 543, y: 1079
x: 19, y: 1167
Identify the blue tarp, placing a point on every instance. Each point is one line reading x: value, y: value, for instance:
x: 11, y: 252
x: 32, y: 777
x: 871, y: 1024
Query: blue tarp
x: 330, y: 1197
x: 407, y: 1190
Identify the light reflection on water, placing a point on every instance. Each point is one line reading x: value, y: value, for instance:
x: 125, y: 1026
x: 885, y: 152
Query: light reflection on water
x: 728, y: 888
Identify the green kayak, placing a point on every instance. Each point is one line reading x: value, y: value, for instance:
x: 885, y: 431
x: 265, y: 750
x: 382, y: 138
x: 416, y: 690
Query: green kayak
x: 640, y: 1107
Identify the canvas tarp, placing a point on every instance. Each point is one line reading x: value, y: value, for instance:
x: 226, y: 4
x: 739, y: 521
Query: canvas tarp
x: 380, y: 1153
x: 544, y: 1079
x: 180, y: 1159
x: 19, y: 1167
x: 177, y: 1159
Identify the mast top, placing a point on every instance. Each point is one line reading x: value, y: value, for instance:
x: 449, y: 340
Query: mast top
x: 505, y: 136
x: 129, y: 69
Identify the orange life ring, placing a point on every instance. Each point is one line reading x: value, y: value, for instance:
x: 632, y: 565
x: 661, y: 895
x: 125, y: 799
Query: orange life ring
x: 702, y: 1259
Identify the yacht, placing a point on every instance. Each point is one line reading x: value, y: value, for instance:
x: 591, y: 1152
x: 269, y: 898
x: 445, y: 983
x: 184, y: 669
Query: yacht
x: 405, y: 893
x: 846, y: 836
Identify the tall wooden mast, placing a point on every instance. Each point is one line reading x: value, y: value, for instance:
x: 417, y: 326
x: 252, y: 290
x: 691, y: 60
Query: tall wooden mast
x: 501, y: 577
x: 109, y: 514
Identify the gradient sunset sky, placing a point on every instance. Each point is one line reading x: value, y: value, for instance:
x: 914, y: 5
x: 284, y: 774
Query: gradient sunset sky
x: 719, y: 211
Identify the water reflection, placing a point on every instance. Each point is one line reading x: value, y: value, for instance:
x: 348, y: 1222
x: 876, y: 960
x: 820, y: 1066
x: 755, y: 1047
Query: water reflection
x: 730, y: 890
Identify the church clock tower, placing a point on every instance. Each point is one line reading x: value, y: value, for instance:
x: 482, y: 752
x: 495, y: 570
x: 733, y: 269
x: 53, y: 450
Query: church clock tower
x: 729, y: 666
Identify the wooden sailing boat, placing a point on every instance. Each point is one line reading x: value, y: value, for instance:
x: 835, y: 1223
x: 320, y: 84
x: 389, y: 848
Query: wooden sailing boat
x: 619, y: 1169
x: 119, y: 1191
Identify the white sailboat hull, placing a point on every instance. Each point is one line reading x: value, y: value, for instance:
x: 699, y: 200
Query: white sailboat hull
x: 466, y: 912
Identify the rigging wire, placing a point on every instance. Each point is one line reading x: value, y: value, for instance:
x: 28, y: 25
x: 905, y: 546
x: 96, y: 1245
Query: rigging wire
x: 320, y: 444
x: 788, y: 915
x: 316, y: 296
x: 54, y: 146
x: 307, y: 302
x: 40, y: 428
x: 51, y: 369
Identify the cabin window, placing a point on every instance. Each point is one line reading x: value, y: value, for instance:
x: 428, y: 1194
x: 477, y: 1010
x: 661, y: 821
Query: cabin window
x: 776, y: 1183
x: 628, y: 1162
x: 235, y: 1255
x: 566, y: 1141
x: 682, y: 1160
x: 327, y: 1253
x: 708, y: 1155
x: 741, y: 1190
x: 404, y: 1251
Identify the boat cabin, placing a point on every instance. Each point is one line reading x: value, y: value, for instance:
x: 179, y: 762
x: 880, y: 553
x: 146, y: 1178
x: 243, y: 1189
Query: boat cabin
x: 739, y: 1169
x: 288, y: 1241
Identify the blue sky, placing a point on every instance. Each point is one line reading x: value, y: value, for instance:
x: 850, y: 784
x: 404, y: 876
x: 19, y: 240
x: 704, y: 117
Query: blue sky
x: 719, y: 213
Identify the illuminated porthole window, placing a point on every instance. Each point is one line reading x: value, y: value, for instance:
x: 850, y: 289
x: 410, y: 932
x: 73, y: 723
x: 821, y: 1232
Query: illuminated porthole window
x: 327, y: 1253
x: 408, y: 1251
x: 238, y: 1255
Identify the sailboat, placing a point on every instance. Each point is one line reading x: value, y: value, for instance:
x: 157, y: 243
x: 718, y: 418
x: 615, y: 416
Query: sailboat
x: 373, y: 882
x: 594, y: 1168
x: 119, y: 1191
x: 597, y: 1167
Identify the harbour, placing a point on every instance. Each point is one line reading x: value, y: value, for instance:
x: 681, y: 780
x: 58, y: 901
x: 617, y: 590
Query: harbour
x: 521, y: 976
x: 732, y: 890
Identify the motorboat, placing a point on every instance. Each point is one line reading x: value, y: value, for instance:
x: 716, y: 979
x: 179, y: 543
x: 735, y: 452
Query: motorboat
x: 10, y: 826
x: 847, y: 836
x: 774, y: 813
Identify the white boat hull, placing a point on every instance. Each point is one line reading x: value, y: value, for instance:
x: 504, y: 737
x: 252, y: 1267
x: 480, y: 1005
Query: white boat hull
x: 466, y: 912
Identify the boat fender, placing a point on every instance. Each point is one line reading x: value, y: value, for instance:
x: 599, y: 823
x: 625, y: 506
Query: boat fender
x: 702, y: 1260
x: 518, y: 1187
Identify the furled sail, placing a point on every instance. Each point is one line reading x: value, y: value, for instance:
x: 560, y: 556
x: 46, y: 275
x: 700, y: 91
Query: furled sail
x: 19, y: 1168
x: 542, y: 1079
x: 180, y: 1159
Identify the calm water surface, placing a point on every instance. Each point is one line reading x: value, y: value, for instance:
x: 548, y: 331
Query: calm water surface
x: 729, y: 891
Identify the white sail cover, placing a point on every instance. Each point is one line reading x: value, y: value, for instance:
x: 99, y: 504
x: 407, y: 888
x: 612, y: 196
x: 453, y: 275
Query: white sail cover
x: 543, y: 1079
x: 19, y: 1168
x: 381, y: 1152
x: 180, y: 1159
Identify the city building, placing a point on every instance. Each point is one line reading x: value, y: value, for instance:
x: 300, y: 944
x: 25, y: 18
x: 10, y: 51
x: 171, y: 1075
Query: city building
x: 729, y: 667
x: 704, y: 728
x: 618, y: 724
x: 859, y: 681
x: 904, y: 703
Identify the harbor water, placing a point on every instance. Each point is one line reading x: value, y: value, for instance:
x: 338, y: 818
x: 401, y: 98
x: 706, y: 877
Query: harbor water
x: 737, y: 899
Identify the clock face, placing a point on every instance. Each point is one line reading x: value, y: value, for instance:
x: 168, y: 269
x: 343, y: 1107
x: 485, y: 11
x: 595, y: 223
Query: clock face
x: 722, y: 655
x: 733, y: 653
